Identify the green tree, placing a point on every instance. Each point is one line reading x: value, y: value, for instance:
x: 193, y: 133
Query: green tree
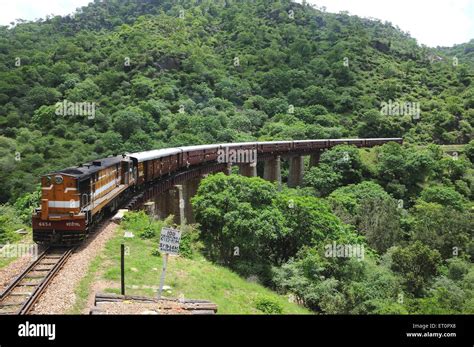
x: 443, y: 228
x: 417, y: 263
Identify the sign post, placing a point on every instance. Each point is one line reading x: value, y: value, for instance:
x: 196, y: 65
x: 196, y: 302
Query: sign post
x: 169, y: 244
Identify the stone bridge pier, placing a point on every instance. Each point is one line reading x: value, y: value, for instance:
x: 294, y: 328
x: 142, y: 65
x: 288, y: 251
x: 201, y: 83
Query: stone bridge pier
x: 296, y: 170
x: 272, y: 170
x: 177, y: 200
x: 295, y: 174
x: 248, y: 169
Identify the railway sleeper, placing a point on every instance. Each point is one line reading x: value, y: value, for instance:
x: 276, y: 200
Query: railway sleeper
x: 7, y: 312
x: 10, y: 300
x: 35, y: 274
x: 21, y: 293
x: 47, y: 262
x: 34, y: 278
x: 28, y: 284
x: 10, y: 304
x: 40, y: 267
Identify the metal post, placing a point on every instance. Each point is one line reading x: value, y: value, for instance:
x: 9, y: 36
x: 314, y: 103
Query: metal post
x: 163, y: 273
x: 122, y: 267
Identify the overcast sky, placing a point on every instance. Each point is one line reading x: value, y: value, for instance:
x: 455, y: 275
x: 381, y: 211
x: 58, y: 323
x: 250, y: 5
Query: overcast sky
x: 431, y: 22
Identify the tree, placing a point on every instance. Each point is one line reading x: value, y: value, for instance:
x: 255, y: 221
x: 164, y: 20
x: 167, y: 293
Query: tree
x: 417, y: 263
x: 338, y: 285
x: 85, y: 91
x: 129, y: 121
x: 41, y: 96
x: 309, y: 221
x: 469, y: 150
x: 250, y: 214
x: 142, y: 86
x: 371, y: 210
x: 401, y: 171
x: 236, y: 211
x: 338, y: 166
x: 443, y: 228
x: 443, y: 195
x: 323, y: 179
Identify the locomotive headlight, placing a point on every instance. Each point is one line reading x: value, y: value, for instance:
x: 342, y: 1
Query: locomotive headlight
x: 58, y: 179
x: 48, y: 179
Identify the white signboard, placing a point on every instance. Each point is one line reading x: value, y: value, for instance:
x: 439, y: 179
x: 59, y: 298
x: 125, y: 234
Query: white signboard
x: 169, y: 241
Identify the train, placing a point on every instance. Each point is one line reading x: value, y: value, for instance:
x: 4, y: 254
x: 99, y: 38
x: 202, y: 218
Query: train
x: 74, y: 200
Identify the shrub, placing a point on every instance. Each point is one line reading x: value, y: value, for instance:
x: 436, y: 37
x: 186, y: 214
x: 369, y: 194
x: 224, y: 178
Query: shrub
x: 148, y: 233
x: 443, y: 195
x: 268, y: 306
x: 190, y: 243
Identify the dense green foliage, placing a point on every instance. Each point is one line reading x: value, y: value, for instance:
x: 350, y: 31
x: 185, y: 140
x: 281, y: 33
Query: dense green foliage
x: 417, y: 254
x: 162, y: 72
x: 168, y: 73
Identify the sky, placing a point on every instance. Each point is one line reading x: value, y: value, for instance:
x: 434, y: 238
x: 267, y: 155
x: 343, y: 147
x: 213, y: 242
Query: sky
x: 431, y: 22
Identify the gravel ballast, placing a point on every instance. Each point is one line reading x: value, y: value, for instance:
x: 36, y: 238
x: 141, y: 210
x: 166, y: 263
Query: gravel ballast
x: 59, y: 297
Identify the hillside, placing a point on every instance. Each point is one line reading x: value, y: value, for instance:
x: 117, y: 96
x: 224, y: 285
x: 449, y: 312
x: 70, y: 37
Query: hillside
x: 464, y: 52
x: 382, y: 230
x: 160, y: 73
x: 188, y: 276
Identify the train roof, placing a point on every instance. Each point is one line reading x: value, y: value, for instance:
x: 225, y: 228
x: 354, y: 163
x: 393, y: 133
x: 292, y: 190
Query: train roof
x: 85, y: 170
x: 273, y: 142
x: 385, y: 138
x: 236, y: 144
x: 356, y: 139
x: 198, y: 147
x: 154, y: 154
x: 321, y: 140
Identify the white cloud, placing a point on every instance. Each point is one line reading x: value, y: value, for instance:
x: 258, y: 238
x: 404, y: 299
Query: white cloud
x: 431, y: 22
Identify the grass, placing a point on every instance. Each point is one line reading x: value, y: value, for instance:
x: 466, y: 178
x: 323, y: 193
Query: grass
x: 5, y: 261
x: 24, y: 239
x: 195, y: 278
x: 83, y: 289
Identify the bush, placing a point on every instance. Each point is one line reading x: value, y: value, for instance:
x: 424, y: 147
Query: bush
x: 9, y: 222
x: 443, y: 195
x: 469, y: 151
x: 268, y: 306
x: 190, y: 244
x: 148, y: 233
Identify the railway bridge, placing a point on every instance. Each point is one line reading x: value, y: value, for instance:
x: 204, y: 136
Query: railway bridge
x: 172, y: 195
x: 74, y: 200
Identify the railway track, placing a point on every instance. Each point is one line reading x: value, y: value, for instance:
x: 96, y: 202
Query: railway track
x: 21, y: 295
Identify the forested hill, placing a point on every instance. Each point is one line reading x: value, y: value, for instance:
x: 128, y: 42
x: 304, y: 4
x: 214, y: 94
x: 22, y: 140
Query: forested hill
x: 463, y: 52
x: 189, y: 72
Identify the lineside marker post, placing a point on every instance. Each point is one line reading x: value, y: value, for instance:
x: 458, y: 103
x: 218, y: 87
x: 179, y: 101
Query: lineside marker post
x: 122, y: 268
x: 182, y: 218
x: 163, y: 274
